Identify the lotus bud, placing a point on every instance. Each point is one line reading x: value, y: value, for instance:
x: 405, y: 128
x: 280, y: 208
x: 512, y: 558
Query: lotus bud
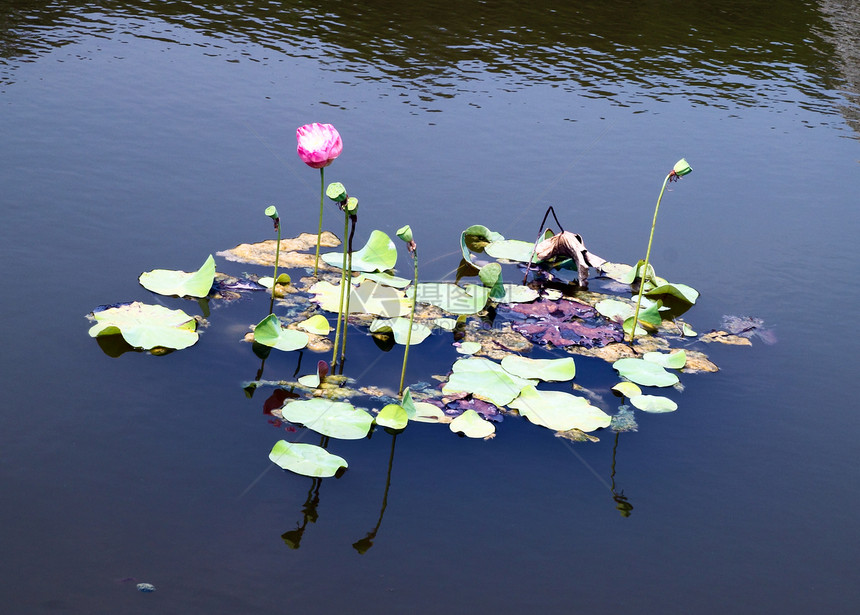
x: 405, y: 233
x: 682, y: 167
x: 336, y: 192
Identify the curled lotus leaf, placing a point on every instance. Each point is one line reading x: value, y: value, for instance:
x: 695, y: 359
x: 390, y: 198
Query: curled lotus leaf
x: 400, y: 328
x: 306, y: 459
x: 475, y: 238
x: 674, y: 360
x: 627, y: 389
x: 392, y: 416
x: 180, y: 283
x: 644, y: 372
x: 548, y: 370
x: 485, y: 380
x: 681, y: 291
x: 269, y: 332
x: 378, y: 254
x: 146, y: 326
x: 653, y: 403
x: 471, y: 425
x: 512, y: 250
x: 336, y: 419
x: 470, y: 299
x: 649, y: 317
x: 560, y: 411
x: 316, y: 324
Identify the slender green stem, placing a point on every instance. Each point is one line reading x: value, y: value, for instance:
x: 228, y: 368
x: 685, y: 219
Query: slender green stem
x: 275, y: 274
x: 647, y: 259
x: 319, y: 232
x: 349, y: 287
x: 343, y: 283
x: 411, y: 320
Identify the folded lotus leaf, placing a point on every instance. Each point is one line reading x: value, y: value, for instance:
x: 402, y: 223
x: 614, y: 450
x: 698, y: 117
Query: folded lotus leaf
x: 569, y: 245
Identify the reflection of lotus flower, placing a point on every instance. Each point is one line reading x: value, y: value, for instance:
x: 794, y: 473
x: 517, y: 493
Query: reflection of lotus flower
x: 319, y: 144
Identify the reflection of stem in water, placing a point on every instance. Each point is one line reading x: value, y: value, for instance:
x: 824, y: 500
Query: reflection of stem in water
x: 621, y: 503
x: 293, y: 538
x: 365, y: 543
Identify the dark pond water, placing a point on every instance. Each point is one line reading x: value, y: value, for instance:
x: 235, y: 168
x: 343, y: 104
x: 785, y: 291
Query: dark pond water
x: 137, y: 135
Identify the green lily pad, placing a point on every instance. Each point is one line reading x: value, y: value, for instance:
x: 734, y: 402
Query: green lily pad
x: 268, y: 281
x: 645, y: 372
x: 392, y: 416
x: 306, y: 459
x: 447, y: 324
x: 653, y: 403
x: 316, y: 324
x: 378, y: 254
x: 674, y: 360
x: 485, y: 380
x: 512, y: 250
x: 336, y: 419
x: 386, y: 279
x: 470, y: 299
x: 548, y: 370
x: 179, y: 283
x: 471, y: 425
x: 516, y: 293
x: 681, y: 291
x: 269, y: 332
x: 613, y: 309
x: 627, y: 389
x: 491, y: 276
x: 475, y: 238
x: 147, y: 326
x: 468, y: 347
x: 400, y: 328
x: 369, y: 297
x: 649, y: 317
x: 560, y: 411
x: 428, y: 413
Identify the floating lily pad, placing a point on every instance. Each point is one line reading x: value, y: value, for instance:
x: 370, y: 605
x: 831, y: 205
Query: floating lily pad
x: 268, y: 281
x: 378, y: 254
x: 316, y: 324
x: 269, y: 332
x: 627, y: 389
x: 471, y: 425
x: 516, y: 293
x: 468, y: 347
x: 470, y: 299
x: 179, y: 283
x: 649, y: 317
x: 674, y: 360
x: 653, y: 403
x: 428, y: 413
x: 312, y: 381
x: 486, y: 380
x: 559, y: 411
x: 548, y: 370
x: 400, y: 328
x: 306, y: 459
x: 370, y: 298
x: 645, y: 372
x: 613, y: 309
x: 512, y: 250
x: 392, y: 416
x: 448, y: 324
x: 146, y: 326
x: 336, y: 419
x: 386, y: 279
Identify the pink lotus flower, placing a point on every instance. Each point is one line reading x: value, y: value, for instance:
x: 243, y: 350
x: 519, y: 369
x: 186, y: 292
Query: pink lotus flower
x: 319, y: 144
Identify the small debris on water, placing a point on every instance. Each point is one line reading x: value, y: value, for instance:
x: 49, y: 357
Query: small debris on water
x: 145, y: 587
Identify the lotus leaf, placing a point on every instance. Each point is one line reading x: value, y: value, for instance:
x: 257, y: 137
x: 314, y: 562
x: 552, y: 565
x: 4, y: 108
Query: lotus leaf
x: 613, y: 309
x: 627, y: 389
x: 560, y: 411
x: 428, y: 413
x: 471, y: 425
x: 468, y: 347
x: 548, y: 370
x: 650, y: 317
x: 681, y: 291
x: 179, y: 283
x: 512, y: 250
x: 476, y: 237
x: 316, y: 324
x: 675, y: 360
x: 644, y: 372
x: 386, y: 279
x: 516, y: 293
x: 400, y: 328
x: 369, y: 297
x: 653, y: 403
x: 268, y: 281
x: 407, y: 402
x: 146, y: 326
x: 269, y: 332
x: 378, y: 254
x: 452, y: 298
x: 448, y: 324
x: 336, y: 419
x: 491, y: 276
x: 486, y: 380
x: 306, y: 459
x: 392, y: 416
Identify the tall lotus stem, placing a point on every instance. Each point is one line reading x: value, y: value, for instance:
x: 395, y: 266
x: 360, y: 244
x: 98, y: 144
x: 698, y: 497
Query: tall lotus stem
x: 350, y: 208
x: 405, y: 233
x: 272, y: 212
x: 319, y: 230
x: 343, y: 282
x: 681, y: 168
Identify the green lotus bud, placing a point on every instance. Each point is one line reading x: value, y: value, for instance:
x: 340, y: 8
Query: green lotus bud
x: 336, y: 192
x: 405, y: 233
x: 682, y: 167
x: 351, y: 205
x: 272, y: 212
